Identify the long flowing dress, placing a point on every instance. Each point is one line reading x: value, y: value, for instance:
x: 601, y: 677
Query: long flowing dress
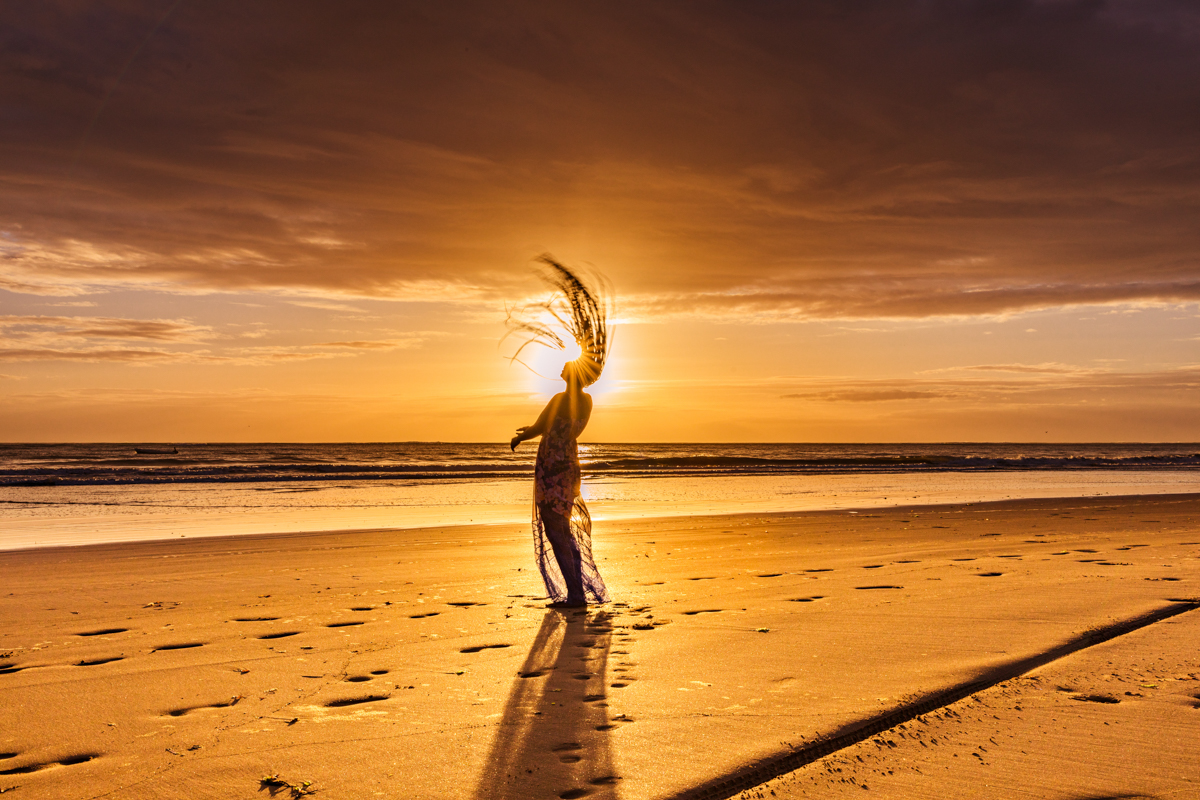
x: 556, y: 483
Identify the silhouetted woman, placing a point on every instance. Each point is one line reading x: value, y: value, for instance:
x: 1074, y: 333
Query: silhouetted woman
x: 560, y: 516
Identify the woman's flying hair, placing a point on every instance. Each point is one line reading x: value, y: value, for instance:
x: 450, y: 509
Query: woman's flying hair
x: 580, y: 308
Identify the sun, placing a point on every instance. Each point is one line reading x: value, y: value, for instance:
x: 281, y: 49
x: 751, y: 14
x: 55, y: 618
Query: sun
x: 545, y: 363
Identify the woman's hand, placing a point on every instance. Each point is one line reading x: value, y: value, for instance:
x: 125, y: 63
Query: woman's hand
x: 520, y: 437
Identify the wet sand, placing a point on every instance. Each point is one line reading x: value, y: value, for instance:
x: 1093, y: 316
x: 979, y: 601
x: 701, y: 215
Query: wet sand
x: 422, y: 663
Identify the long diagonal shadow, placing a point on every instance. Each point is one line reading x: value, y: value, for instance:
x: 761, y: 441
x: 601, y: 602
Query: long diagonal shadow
x: 553, y: 740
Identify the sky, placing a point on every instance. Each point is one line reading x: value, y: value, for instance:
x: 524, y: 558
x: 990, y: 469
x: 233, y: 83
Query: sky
x: 894, y: 221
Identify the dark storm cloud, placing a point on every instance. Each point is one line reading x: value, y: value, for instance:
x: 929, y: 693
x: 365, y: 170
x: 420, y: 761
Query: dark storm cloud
x: 776, y: 159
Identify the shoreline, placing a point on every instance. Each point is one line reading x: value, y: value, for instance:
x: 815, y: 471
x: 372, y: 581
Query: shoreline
x: 698, y: 518
x: 49, y: 517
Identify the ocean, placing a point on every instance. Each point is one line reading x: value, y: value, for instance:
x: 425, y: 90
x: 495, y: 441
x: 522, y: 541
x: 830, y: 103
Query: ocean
x: 66, y: 494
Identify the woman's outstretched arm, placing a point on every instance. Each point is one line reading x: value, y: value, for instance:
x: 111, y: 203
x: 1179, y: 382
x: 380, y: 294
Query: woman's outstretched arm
x: 539, y: 427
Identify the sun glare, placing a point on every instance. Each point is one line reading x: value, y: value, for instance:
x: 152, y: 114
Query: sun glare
x: 545, y: 365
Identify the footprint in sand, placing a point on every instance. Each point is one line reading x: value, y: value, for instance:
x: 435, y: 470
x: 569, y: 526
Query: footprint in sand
x: 537, y: 673
x: 184, y: 646
x: 179, y: 712
x: 822, y: 569
x: 962, y: 559
x: 481, y: 647
x: 280, y: 635
x: 990, y: 574
x: 97, y: 661
x: 363, y: 608
x: 1096, y: 698
x: 354, y: 701
x: 770, y: 575
x: 380, y: 671
x: 808, y: 599
x: 62, y: 762
x: 706, y: 578
x: 567, y: 750
x: 102, y: 632
x: 423, y: 616
x: 703, y: 611
x: 343, y: 624
x: 255, y: 619
x: 358, y: 678
x: 10, y: 669
x: 909, y: 561
x: 879, y: 587
x: 465, y: 603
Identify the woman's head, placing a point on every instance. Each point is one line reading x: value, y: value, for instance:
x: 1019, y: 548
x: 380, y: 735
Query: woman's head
x: 581, y: 373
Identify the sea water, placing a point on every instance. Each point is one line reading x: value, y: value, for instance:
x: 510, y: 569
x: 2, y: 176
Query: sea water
x: 66, y: 494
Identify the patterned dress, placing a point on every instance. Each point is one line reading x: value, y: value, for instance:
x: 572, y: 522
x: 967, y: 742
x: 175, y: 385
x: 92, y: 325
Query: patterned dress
x: 556, y: 488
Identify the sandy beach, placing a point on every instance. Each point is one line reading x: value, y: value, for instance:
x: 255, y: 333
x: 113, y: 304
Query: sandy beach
x: 424, y: 663
x: 844, y: 354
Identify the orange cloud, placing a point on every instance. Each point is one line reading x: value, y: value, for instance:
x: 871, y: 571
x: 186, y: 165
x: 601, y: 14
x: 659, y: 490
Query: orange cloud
x: 776, y: 161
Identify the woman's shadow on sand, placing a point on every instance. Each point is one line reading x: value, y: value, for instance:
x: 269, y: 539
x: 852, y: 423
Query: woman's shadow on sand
x: 553, y: 740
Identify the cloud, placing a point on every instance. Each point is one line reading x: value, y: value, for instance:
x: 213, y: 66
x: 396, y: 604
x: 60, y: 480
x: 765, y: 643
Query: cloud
x: 47, y: 338
x: 1037, y: 385
x: 765, y: 161
x: 890, y: 299
x: 38, y: 327
x: 325, y: 305
x: 1034, y: 369
x: 384, y: 344
x: 869, y: 396
x: 96, y: 355
x: 255, y: 356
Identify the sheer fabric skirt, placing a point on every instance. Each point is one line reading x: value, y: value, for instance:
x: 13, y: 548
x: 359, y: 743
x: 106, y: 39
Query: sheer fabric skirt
x: 579, y: 539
